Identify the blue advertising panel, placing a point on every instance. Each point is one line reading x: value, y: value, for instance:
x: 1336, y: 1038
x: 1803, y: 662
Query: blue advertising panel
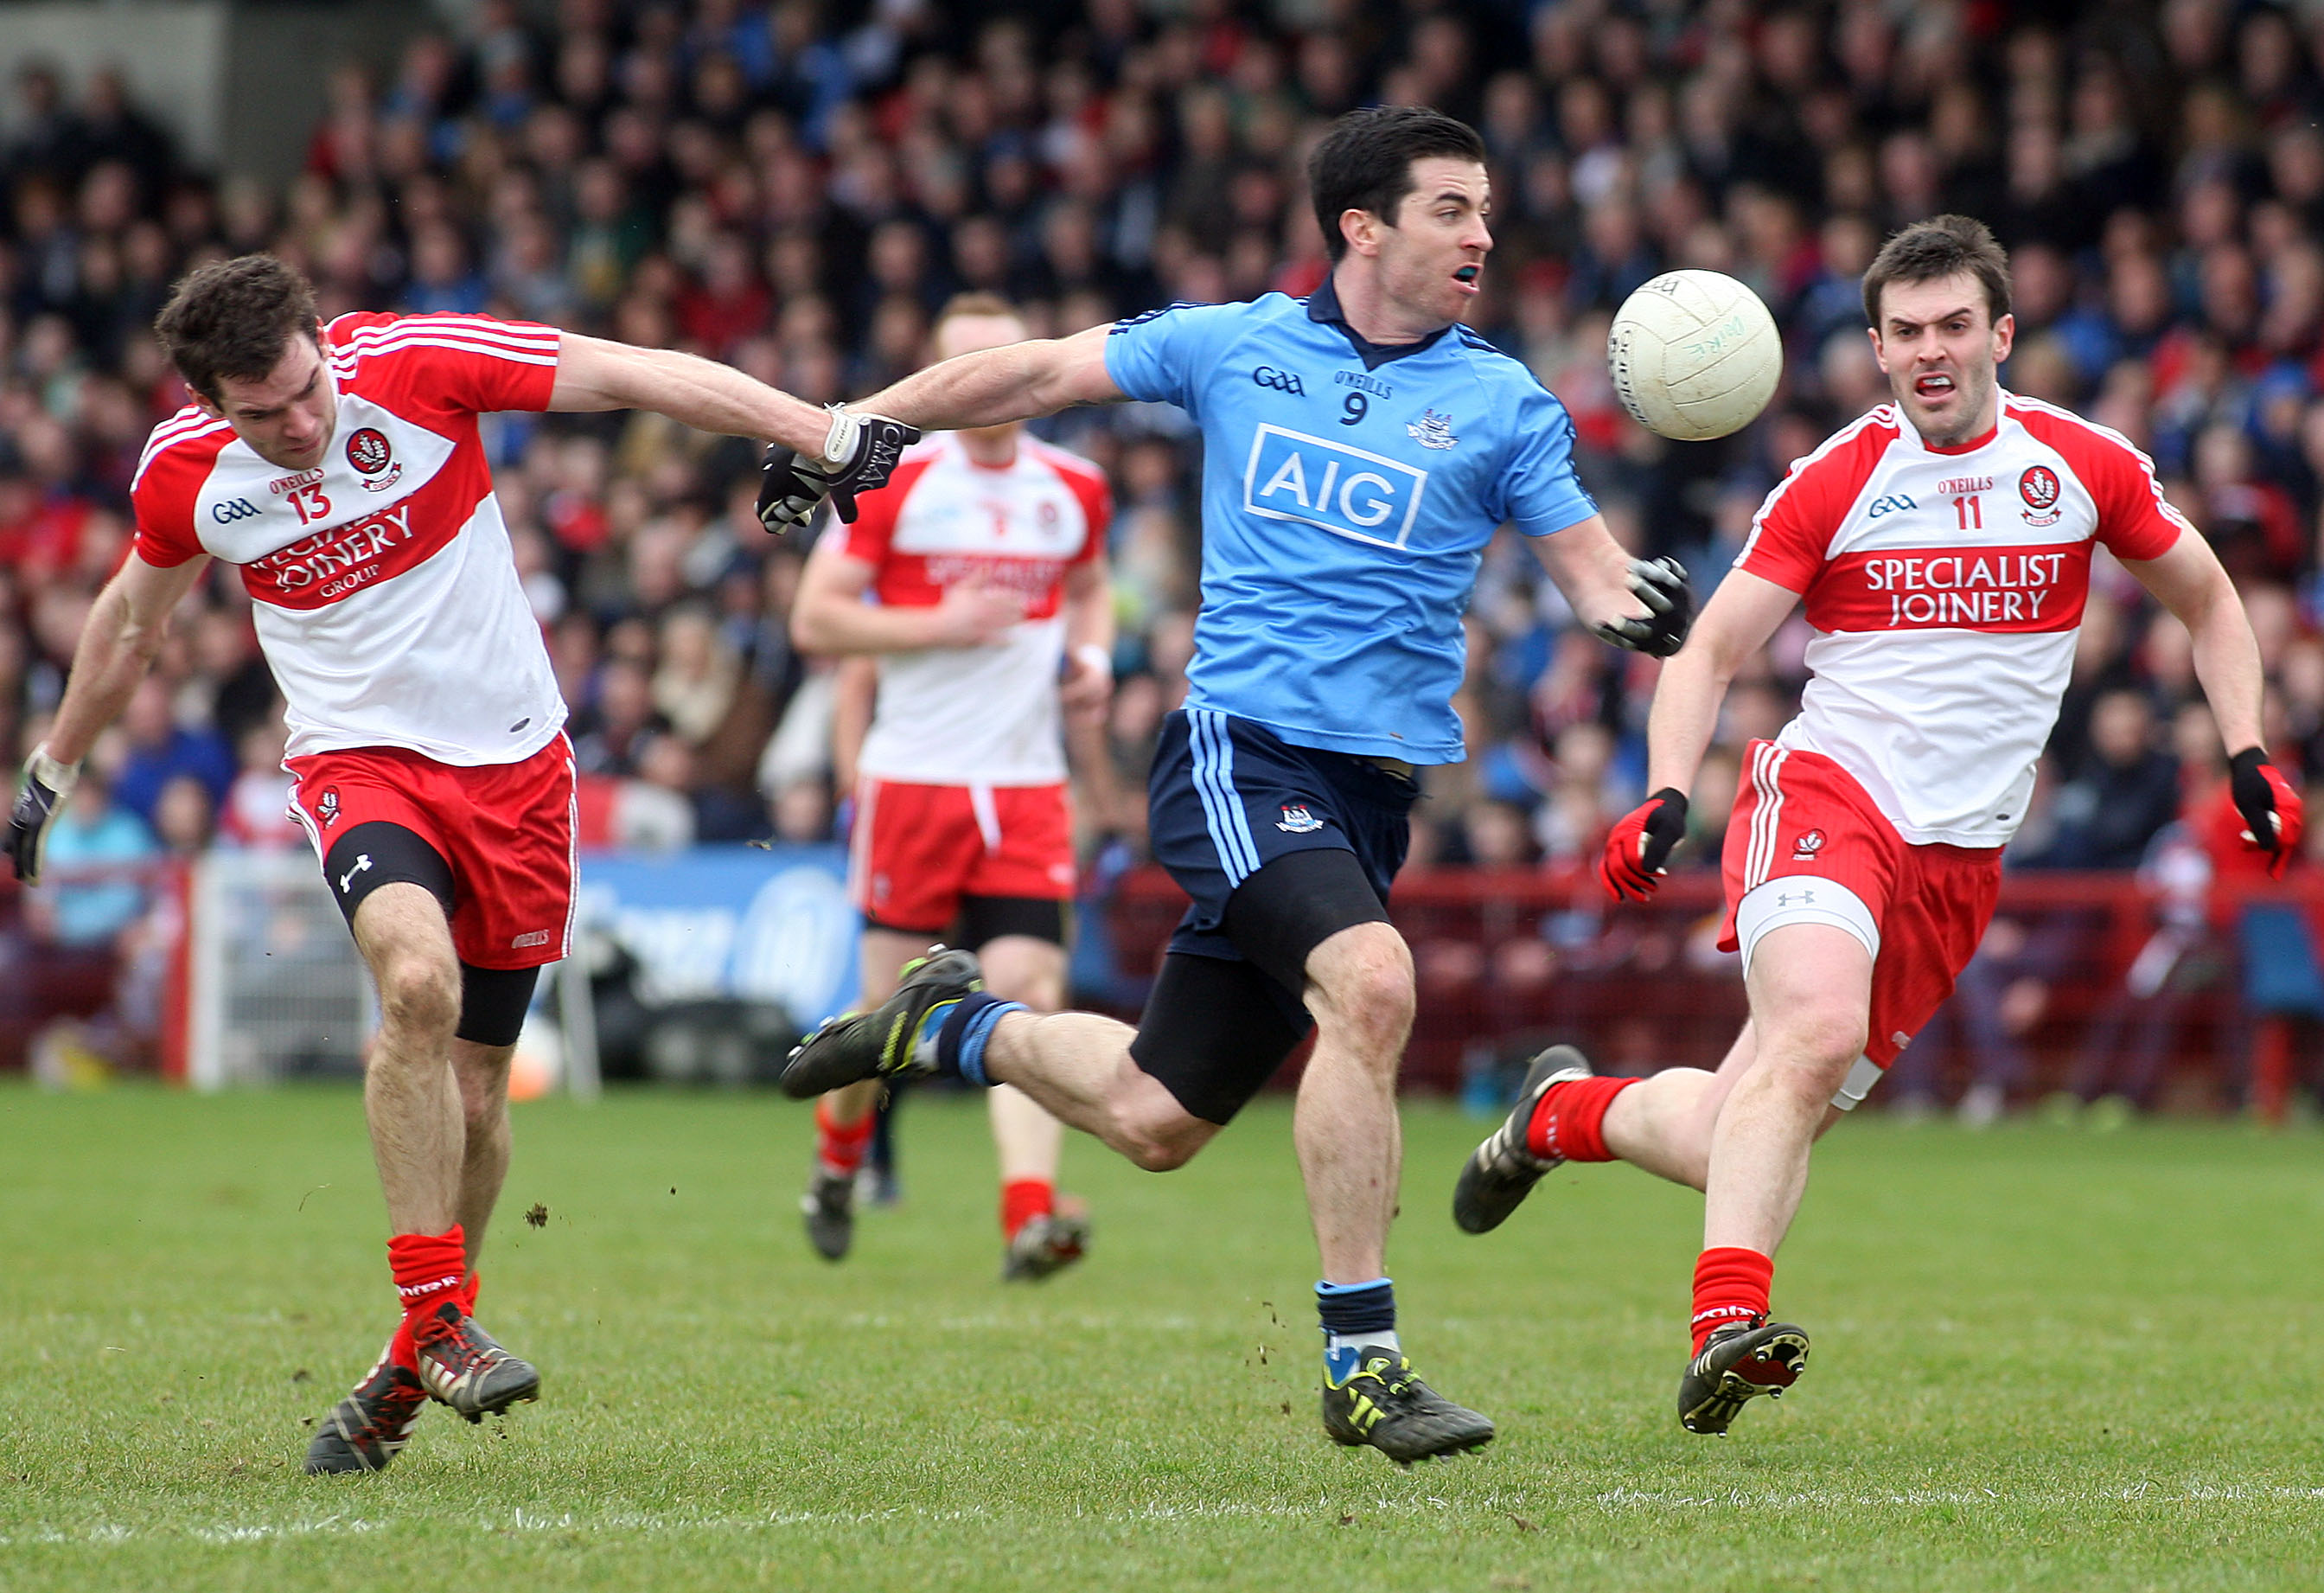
x: 751, y: 922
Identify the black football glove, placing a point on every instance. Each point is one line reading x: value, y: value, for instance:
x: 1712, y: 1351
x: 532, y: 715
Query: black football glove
x: 2269, y: 806
x: 1640, y: 844
x: 47, y: 784
x: 860, y: 453
x: 1662, y: 586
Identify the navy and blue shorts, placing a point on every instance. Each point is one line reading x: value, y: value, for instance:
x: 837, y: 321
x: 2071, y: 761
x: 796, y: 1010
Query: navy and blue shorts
x: 1280, y: 846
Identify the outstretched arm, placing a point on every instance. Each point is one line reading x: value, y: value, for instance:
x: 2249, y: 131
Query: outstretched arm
x: 1623, y: 601
x: 992, y: 386
x: 1735, y: 623
x: 594, y: 374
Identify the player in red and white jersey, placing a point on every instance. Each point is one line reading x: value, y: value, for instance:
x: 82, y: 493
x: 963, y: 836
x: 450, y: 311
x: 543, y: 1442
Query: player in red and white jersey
x: 339, y: 469
x: 977, y: 580
x: 1942, y: 547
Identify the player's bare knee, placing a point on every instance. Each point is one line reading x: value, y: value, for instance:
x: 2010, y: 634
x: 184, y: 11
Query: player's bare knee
x: 1366, y: 995
x: 1159, y: 1145
x: 1812, y: 1023
x: 417, y: 995
x: 484, y: 1087
x: 1822, y: 1071
x: 1158, y: 1136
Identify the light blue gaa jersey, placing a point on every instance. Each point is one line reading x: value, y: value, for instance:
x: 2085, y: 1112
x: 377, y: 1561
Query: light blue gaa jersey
x: 1348, y: 491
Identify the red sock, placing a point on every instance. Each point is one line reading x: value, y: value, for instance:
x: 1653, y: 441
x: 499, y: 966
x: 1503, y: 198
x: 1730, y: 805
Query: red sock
x: 839, y: 1147
x: 1024, y: 1198
x: 1569, y: 1121
x: 403, y: 1348
x: 429, y: 1269
x: 1731, y: 1285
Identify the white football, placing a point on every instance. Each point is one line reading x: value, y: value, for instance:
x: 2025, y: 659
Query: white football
x: 1695, y: 355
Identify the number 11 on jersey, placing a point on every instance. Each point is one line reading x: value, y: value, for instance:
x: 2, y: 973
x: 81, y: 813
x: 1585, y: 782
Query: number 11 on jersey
x: 1971, y: 510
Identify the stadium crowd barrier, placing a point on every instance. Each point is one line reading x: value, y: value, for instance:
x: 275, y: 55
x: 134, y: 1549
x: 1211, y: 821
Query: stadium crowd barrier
x: 1511, y: 959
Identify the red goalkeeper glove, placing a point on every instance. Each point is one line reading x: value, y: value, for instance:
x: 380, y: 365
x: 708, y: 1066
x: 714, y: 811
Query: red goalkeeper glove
x: 2269, y: 805
x: 1641, y: 843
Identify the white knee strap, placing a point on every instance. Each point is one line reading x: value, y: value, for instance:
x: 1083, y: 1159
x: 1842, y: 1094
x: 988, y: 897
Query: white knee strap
x: 1802, y: 898
x: 1807, y: 898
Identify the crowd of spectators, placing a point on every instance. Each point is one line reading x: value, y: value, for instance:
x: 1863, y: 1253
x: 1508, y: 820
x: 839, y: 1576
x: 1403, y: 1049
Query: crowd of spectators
x: 795, y: 187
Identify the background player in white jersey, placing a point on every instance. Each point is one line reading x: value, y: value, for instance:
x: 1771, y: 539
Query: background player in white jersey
x: 1942, y: 546
x: 339, y: 469
x: 985, y: 554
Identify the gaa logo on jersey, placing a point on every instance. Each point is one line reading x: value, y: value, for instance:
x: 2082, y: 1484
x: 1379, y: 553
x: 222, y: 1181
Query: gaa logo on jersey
x: 1298, y: 820
x: 369, y: 453
x: 2038, y: 485
x: 1810, y: 843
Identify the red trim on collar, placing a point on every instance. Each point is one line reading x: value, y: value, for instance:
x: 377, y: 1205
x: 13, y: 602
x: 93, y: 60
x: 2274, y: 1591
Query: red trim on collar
x: 1972, y: 446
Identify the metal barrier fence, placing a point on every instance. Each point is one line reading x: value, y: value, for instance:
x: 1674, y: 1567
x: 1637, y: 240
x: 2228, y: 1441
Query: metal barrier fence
x: 2087, y: 981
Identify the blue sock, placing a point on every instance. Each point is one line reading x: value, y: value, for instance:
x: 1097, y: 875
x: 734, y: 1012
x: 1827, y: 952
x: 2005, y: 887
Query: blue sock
x: 1354, y: 1315
x: 958, y: 1030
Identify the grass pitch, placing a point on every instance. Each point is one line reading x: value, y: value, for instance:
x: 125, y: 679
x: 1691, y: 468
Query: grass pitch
x: 2042, y: 1360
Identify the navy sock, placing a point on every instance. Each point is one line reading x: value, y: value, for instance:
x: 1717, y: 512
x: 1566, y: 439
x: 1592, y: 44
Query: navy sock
x: 963, y: 1029
x: 1354, y: 1315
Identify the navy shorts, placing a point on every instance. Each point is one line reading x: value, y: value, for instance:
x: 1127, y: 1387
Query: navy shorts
x: 1229, y: 799
x: 1228, y: 796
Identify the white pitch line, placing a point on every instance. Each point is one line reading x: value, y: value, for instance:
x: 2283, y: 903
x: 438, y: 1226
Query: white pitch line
x: 1615, y: 1500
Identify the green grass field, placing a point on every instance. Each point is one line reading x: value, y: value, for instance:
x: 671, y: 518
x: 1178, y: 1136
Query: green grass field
x: 2042, y: 1360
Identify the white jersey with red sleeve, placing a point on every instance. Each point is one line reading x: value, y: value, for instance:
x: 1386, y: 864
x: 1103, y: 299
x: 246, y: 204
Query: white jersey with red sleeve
x: 977, y: 716
x: 383, y: 586
x: 1945, y: 589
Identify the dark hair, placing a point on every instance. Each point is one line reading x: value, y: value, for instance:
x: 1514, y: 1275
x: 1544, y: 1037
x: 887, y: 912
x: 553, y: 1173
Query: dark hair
x: 1364, y: 161
x: 1930, y: 251
x: 234, y: 318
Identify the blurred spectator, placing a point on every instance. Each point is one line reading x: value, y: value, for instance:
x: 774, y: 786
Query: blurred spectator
x: 257, y: 812
x: 794, y: 188
x: 160, y: 748
x: 94, y: 847
x: 2126, y: 792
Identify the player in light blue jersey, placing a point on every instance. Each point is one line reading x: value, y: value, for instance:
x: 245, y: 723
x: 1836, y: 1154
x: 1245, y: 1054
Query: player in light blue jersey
x: 1361, y: 449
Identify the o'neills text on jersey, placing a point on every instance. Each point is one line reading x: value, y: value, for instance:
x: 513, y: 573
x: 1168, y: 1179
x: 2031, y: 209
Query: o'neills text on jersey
x: 342, y: 560
x: 1965, y: 589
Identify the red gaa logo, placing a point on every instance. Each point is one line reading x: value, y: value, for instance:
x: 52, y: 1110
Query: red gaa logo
x: 367, y: 450
x: 2038, y: 485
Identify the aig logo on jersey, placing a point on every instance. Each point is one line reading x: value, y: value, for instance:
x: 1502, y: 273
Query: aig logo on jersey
x: 1346, y: 491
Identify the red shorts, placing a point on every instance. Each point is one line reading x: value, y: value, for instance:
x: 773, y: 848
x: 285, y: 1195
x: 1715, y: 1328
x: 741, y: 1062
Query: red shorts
x: 1800, y: 815
x: 918, y: 849
x: 507, y: 830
